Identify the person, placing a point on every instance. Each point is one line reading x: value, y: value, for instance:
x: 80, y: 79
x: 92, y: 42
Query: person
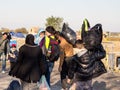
x: 46, y: 48
x: 14, y: 85
x: 82, y: 66
x: 78, y: 46
x: 12, y: 56
x: 4, y: 49
x: 40, y: 36
x: 30, y: 64
x: 66, y: 51
x: 87, y: 64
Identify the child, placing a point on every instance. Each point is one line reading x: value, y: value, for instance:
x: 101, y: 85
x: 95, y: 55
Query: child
x: 79, y: 47
x: 83, y: 65
x: 13, y: 55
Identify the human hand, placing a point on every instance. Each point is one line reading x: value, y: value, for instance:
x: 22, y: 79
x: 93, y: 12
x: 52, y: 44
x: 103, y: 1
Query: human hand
x: 68, y: 81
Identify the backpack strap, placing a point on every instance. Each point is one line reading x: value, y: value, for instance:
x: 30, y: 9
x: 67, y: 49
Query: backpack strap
x: 53, y: 41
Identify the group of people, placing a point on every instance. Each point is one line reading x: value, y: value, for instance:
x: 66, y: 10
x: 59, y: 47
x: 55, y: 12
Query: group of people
x: 33, y: 60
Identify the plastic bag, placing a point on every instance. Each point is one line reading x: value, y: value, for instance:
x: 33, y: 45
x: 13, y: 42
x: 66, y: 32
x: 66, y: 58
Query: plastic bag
x: 68, y: 34
x: 93, y: 37
x: 42, y: 84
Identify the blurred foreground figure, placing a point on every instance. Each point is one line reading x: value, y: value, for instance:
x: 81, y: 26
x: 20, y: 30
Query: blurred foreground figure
x: 4, y: 49
x: 87, y: 64
x: 30, y: 65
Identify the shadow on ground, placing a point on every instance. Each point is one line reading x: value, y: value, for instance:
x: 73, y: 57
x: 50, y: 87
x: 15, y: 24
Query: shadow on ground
x: 99, y: 85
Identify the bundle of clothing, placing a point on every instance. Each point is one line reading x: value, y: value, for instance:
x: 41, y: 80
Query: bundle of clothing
x: 87, y: 63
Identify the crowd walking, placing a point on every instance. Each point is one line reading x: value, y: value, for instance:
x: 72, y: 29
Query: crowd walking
x: 35, y: 59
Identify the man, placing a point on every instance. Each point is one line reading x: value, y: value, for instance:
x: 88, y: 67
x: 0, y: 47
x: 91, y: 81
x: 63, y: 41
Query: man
x: 4, y: 49
x: 66, y: 51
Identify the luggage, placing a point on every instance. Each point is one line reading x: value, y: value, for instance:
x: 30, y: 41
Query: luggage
x: 68, y: 34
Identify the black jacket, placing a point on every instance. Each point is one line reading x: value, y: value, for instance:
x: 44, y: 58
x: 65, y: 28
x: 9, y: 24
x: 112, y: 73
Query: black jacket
x: 88, y: 65
x: 30, y: 64
x: 13, y: 59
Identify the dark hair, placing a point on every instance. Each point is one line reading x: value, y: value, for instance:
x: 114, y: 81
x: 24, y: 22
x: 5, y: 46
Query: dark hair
x: 57, y: 34
x: 8, y: 35
x: 29, y: 39
x: 79, y: 41
x: 51, y: 30
x: 14, y: 85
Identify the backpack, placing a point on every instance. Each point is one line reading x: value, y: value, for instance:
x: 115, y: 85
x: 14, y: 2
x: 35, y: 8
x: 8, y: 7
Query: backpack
x: 54, y: 50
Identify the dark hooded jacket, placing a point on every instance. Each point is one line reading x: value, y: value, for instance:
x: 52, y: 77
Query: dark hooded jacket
x: 88, y: 65
x: 30, y: 65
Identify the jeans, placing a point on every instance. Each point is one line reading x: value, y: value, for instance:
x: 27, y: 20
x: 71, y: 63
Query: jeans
x: 3, y: 59
x: 49, y: 70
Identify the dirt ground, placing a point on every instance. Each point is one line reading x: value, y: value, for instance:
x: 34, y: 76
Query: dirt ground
x: 108, y: 81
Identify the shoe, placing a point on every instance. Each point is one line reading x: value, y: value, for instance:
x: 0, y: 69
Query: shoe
x: 3, y: 71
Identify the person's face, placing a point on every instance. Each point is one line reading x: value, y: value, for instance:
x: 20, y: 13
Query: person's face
x: 79, y: 46
x: 42, y: 35
x: 13, y: 48
x: 4, y: 36
x: 47, y: 33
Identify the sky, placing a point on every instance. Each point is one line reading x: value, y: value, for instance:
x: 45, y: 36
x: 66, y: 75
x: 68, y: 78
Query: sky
x: 28, y: 13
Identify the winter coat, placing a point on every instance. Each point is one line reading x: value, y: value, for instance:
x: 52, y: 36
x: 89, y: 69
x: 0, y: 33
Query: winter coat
x: 13, y: 59
x: 87, y: 65
x: 30, y: 64
x: 4, y: 46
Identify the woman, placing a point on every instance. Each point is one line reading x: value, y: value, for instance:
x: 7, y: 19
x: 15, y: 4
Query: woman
x: 46, y: 46
x: 30, y: 65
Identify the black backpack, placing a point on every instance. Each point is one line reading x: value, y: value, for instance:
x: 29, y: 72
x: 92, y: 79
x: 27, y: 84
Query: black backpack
x: 55, y: 50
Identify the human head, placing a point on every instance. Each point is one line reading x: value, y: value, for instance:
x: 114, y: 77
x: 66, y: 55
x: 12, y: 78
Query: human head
x: 50, y: 30
x: 57, y: 34
x: 14, y: 85
x: 41, y: 32
x: 5, y: 35
x: 29, y: 39
x: 13, y: 45
x: 79, y: 44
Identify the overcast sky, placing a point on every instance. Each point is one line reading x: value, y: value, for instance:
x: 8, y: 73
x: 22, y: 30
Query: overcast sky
x: 28, y: 13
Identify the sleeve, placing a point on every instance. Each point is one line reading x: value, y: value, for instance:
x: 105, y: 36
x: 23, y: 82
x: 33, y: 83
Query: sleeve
x: 20, y: 55
x: 100, y: 53
x: 72, y: 67
x: 43, y: 63
x: 6, y: 47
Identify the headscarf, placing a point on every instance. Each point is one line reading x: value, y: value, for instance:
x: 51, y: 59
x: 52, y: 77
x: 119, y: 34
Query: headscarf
x: 29, y: 39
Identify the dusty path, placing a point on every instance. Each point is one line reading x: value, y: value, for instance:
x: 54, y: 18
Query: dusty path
x: 108, y: 81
